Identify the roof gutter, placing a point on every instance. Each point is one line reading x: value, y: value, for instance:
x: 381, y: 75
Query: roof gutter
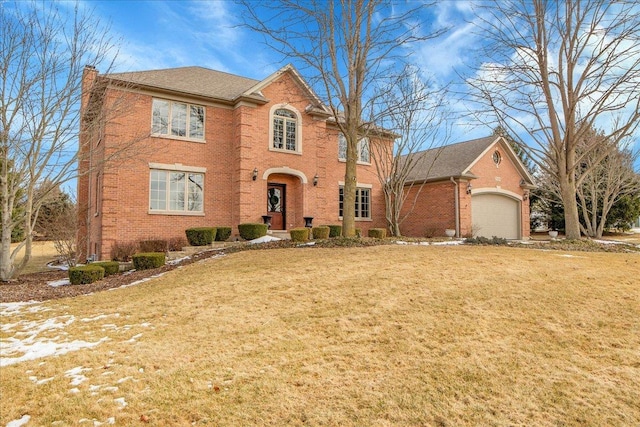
x: 456, y: 202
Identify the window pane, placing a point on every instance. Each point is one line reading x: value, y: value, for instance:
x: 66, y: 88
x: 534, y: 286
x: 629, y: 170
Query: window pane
x: 196, y: 122
x: 364, y: 155
x: 364, y: 203
x: 291, y: 135
x: 158, y: 190
x: 342, y: 147
x: 278, y: 133
x: 285, y: 113
x: 195, y: 192
x: 176, y: 191
x: 179, y: 119
x: 160, y: 121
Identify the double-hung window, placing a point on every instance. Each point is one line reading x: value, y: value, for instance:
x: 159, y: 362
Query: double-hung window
x: 177, y: 119
x: 285, y: 130
x: 362, y: 204
x: 176, y: 191
x: 364, y: 153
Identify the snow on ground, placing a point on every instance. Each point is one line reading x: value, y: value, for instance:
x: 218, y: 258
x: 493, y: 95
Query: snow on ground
x: 61, y: 282
x: 264, y: 239
x: 26, y: 339
x: 443, y: 243
x: 17, y: 423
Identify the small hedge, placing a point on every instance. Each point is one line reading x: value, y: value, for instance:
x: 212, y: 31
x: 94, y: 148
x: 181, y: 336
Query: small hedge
x: 299, y: 234
x: 250, y: 231
x: 147, y: 260
x: 321, y: 232
x: 85, y: 274
x: 223, y: 234
x: 201, y: 236
x: 377, y: 233
x: 110, y: 267
x: 335, y: 230
x: 153, y: 245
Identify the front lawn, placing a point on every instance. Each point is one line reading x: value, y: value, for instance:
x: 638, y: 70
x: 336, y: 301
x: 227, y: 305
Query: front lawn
x: 374, y: 336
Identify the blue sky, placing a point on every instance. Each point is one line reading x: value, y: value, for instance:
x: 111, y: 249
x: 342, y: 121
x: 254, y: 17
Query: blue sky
x: 163, y: 34
x: 159, y: 34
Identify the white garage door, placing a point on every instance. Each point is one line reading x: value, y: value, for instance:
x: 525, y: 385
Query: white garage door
x: 495, y: 215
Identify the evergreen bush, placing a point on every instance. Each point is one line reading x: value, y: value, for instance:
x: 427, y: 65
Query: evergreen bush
x: 110, y: 267
x: 299, y: 234
x: 85, y: 274
x: 223, y: 234
x: 147, y: 260
x: 250, y: 231
x: 201, y: 236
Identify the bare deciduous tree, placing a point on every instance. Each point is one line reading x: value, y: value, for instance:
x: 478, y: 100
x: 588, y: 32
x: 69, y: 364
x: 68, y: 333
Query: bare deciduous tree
x: 347, y: 45
x: 43, y: 51
x: 416, y: 113
x: 555, y: 70
x: 604, y: 183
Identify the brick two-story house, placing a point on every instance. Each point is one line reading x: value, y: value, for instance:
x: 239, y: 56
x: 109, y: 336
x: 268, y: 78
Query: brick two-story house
x: 207, y: 148
x: 165, y: 150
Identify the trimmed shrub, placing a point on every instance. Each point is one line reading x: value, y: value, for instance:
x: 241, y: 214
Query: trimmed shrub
x: 299, y: 234
x: 85, y: 274
x: 123, y: 251
x: 147, y: 260
x: 377, y: 233
x: 110, y: 267
x: 200, y: 236
x: 153, y: 245
x: 335, y: 230
x: 250, y: 231
x: 223, y: 234
x: 176, y: 243
x: 321, y: 232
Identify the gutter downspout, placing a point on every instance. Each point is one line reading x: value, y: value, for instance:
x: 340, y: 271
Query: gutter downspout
x: 456, y: 201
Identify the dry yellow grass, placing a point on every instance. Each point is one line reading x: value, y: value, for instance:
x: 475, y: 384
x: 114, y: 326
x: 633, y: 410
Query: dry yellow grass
x: 379, y: 336
x: 41, y: 254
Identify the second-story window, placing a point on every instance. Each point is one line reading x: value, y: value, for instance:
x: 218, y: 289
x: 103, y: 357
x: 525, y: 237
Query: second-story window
x: 177, y: 119
x: 285, y: 130
x: 364, y: 152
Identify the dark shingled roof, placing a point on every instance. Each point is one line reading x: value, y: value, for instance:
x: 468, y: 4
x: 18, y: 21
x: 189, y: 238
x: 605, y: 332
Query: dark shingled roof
x: 448, y: 161
x: 198, y: 81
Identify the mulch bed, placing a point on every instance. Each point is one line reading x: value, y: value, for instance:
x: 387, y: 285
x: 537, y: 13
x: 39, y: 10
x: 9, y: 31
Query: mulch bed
x: 34, y: 287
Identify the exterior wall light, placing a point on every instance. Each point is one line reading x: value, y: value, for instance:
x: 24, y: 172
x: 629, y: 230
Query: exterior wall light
x: 469, y: 188
x: 255, y: 174
x: 315, y: 180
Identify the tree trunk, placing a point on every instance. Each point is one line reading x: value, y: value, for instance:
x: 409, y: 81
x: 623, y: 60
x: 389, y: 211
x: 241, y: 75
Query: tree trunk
x: 571, y: 216
x: 349, y: 189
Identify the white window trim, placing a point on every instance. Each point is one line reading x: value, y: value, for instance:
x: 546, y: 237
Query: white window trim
x: 177, y: 137
x: 358, y: 185
x: 359, y: 162
x: 176, y: 167
x: 294, y: 110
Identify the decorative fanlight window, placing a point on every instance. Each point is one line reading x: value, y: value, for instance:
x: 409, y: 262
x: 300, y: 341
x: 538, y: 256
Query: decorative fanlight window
x: 285, y: 123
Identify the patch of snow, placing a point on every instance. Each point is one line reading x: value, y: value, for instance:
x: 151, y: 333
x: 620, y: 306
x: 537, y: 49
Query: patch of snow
x: 134, y: 338
x: 111, y: 389
x: 307, y: 244
x: 38, y: 349
x: 74, y: 390
x: 608, y: 242
x: 76, y: 375
x: 17, y: 423
x: 99, y: 317
x: 137, y: 282
x: 11, y: 308
x: 264, y: 239
x: 178, y: 260
x: 448, y: 243
x: 42, y: 381
x: 57, y: 283
x: 121, y: 402
x: 121, y: 380
x: 52, y: 265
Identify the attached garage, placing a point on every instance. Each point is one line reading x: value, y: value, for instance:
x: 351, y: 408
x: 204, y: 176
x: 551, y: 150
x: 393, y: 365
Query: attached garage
x: 495, y: 215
